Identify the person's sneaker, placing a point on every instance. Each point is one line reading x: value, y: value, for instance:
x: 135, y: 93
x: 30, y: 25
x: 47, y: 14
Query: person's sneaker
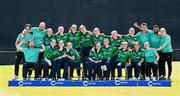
x: 28, y: 76
x: 119, y: 78
x: 130, y: 79
x: 154, y: 78
x: 50, y: 79
x: 135, y: 78
x: 15, y: 77
x: 147, y: 78
x: 169, y: 78
x: 63, y: 79
x: 79, y: 77
x: 104, y: 78
x: 59, y: 79
x: 44, y: 79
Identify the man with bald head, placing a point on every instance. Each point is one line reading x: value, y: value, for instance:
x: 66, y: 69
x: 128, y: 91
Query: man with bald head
x: 39, y: 34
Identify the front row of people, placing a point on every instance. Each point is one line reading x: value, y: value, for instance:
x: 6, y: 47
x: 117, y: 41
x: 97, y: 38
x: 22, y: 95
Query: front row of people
x: 101, y: 63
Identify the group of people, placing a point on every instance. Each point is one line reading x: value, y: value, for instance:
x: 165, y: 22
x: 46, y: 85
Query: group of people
x: 94, y: 55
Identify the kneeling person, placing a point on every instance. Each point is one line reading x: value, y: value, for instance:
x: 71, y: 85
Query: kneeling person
x: 31, y: 57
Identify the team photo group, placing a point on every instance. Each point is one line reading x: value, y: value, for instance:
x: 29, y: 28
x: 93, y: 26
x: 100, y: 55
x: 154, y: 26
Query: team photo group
x: 93, y: 55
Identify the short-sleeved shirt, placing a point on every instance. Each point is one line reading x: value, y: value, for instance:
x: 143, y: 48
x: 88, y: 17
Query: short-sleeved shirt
x: 48, y: 40
x: 49, y: 52
x: 122, y: 56
x: 137, y: 56
x: 142, y: 38
x: 86, y: 40
x: 150, y: 55
x: 38, y: 36
x: 75, y: 39
x: 108, y: 52
x: 130, y: 40
x: 168, y: 47
x: 31, y: 54
x: 63, y: 37
x: 100, y: 39
x: 73, y: 52
x: 59, y: 53
x: 155, y: 40
x: 27, y: 38
x: 96, y: 55
x: 116, y: 42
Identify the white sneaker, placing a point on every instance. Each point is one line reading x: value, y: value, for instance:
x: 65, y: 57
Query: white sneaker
x: 120, y: 78
x: 62, y: 79
x: 49, y: 79
x: 154, y: 78
x: 135, y: 78
x: 148, y: 78
x: 130, y: 79
x: 44, y: 79
x: 15, y: 77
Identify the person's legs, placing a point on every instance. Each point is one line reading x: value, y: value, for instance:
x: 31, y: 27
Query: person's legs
x: 147, y: 69
x: 40, y: 58
x: 25, y: 70
x: 45, y: 70
x: 137, y: 70
x: 129, y: 69
x: 169, y: 62
x: 155, y: 67
x: 90, y: 69
x: 84, y: 55
x: 160, y: 62
x: 19, y: 56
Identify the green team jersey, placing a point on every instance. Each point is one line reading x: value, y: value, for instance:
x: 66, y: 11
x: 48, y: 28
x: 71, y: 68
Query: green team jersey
x: 100, y: 39
x: 168, y: 47
x: 27, y: 38
x: 137, y: 56
x: 142, y: 38
x: 73, y: 52
x: 86, y: 40
x: 122, y: 56
x: 49, y: 52
x: 47, y: 40
x: 31, y: 54
x: 130, y: 40
x: 75, y: 39
x: 150, y: 55
x: 38, y: 36
x: 108, y: 52
x: 63, y: 37
x: 96, y: 55
x: 155, y: 40
x: 116, y: 42
x: 59, y: 53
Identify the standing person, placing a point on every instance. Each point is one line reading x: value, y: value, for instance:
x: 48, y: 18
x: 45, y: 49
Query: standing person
x: 151, y: 61
x: 137, y: 58
x: 60, y: 62
x: 60, y: 35
x: 86, y: 45
x: 142, y: 37
x: 155, y: 39
x: 130, y: 38
x: 49, y: 37
x: 74, y: 37
x: 166, y: 49
x: 49, y: 60
x: 94, y: 62
x: 73, y: 59
x: 31, y: 57
x: 97, y: 36
x: 122, y: 60
x: 39, y: 34
x: 115, y: 39
x: 108, y: 52
x: 25, y: 36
